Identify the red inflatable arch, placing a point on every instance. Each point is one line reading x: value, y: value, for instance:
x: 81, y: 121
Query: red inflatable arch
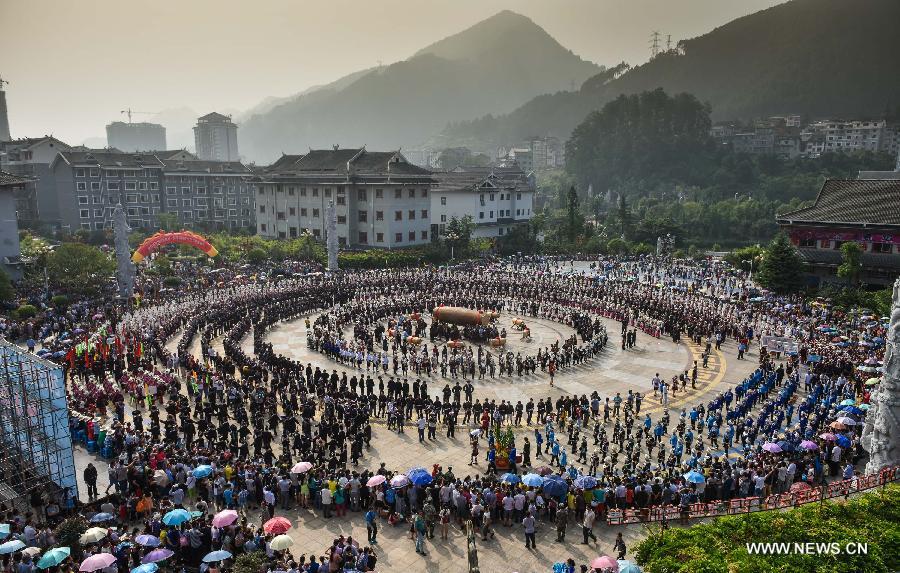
x: 161, y: 238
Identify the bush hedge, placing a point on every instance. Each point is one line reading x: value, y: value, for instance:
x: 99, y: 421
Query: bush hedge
x: 720, y: 546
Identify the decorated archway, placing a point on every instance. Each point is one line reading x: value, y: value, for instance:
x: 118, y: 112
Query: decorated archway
x: 161, y: 238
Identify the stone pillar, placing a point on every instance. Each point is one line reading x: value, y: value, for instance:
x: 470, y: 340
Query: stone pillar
x: 331, y: 239
x: 881, y: 434
x: 124, y: 266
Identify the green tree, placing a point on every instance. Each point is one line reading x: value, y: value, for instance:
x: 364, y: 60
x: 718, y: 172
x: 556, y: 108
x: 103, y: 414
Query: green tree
x: 741, y: 258
x: 459, y: 234
x: 79, y: 268
x: 7, y: 292
x: 168, y: 221
x: 163, y: 265
x: 257, y: 255
x: 781, y: 267
x: 851, y: 265
x: 572, y: 214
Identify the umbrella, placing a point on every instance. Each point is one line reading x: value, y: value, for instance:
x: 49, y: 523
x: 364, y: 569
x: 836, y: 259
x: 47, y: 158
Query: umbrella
x: 694, y: 477
x: 848, y: 402
x: 585, y: 482
x: 808, y: 445
x: 604, y: 563
x: 847, y: 421
x: 147, y: 540
x: 101, y: 517
x: 219, y: 555
x: 4, y: 528
x: 837, y: 425
x: 799, y: 486
x: 827, y: 436
x: 276, y: 525
x: 202, y: 471
x: 225, y: 518
x: 475, y: 433
x: 399, y: 481
x: 864, y: 407
x: 785, y: 446
x: 853, y: 410
x: 93, y: 535
x: 157, y: 555
x: 53, y: 557
x: 419, y: 477
x: 872, y: 381
x: 176, y: 517
x: 11, y: 547
x: 146, y: 568
x: 628, y: 567
x: 532, y: 480
x: 161, y: 478
x: 842, y: 441
x: 301, y: 468
x: 544, y: 471
x: 554, y: 486
x: 31, y: 551
x: 98, y: 561
x: 376, y: 480
x: 510, y: 478
x: 771, y: 447
x: 281, y: 542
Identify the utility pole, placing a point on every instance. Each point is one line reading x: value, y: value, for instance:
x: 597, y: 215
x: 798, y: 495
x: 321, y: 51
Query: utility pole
x: 654, y: 44
x: 669, y: 42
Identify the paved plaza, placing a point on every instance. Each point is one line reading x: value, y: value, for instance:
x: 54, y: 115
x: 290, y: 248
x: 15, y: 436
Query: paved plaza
x: 613, y: 370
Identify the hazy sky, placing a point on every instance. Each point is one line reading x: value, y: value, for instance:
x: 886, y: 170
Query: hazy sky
x: 74, y: 64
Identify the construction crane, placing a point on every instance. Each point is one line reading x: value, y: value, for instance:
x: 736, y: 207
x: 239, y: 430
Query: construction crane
x: 129, y: 111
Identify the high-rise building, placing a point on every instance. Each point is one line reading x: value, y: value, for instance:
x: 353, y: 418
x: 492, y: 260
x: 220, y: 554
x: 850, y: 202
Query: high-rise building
x: 132, y: 137
x: 10, y: 260
x: 4, y: 120
x: 215, y: 137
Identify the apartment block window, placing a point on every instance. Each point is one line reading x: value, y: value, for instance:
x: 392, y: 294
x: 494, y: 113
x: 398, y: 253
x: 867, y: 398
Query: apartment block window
x: 315, y: 213
x: 807, y: 242
x: 290, y: 191
x: 130, y: 186
x: 443, y: 218
x: 363, y: 216
x: 185, y: 190
x: 361, y: 196
x: 882, y: 248
x: 142, y: 185
x: 84, y: 213
x: 132, y: 198
x: 398, y: 215
x: 171, y: 202
x: 97, y: 200
x: 280, y: 216
x: 492, y: 196
x: 424, y: 192
x: 342, y: 219
x: 424, y: 235
x: 81, y: 186
x: 95, y: 172
x: 481, y: 199
x: 491, y: 215
x: 98, y: 213
x: 412, y: 193
x: 262, y: 208
x: 154, y: 186
x: 112, y: 172
x: 303, y: 211
x: 82, y: 200
x: 262, y: 227
x: 95, y: 185
x: 261, y: 190
x: 200, y: 190
x: 518, y: 196
x: 379, y: 193
x: 363, y: 237
x: 292, y: 211
x: 398, y: 237
x: 412, y: 215
x: 424, y: 213
x: 398, y: 193
x: 341, y: 200
x: 185, y: 202
x: 79, y: 172
x: 379, y: 237
x: 317, y: 233
x: 315, y: 193
x: 500, y: 231
x: 293, y: 232
x: 481, y: 214
x: 412, y: 235
x: 303, y: 191
x: 443, y: 200
x: 112, y: 185
x: 379, y: 215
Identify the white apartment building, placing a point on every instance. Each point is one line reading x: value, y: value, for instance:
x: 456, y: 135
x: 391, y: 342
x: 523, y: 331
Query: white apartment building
x: 497, y: 199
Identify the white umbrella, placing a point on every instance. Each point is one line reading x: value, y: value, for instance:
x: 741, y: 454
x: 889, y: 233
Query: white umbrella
x: 281, y: 542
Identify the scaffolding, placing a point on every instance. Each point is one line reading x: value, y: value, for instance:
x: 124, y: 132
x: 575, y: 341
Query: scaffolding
x: 37, y: 465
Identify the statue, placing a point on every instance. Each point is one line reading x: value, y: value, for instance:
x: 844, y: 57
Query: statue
x: 331, y: 240
x: 124, y: 266
x: 881, y: 433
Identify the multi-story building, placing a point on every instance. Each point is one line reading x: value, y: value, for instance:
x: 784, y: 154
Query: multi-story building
x: 866, y: 212
x: 381, y: 199
x: 214, y: 194
x: 546, y: 153
x: 215, y: 137
x: 30, y: 158
x: 10, y: 254
x: 497, y: 198
x: 849, y: 136
x: 131, y: 137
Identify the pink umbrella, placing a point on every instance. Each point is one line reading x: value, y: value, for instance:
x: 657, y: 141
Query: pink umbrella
x: 605, y: 563
x: 225, y: 518
x: 376, y: 480
x: 301, y: 468
x: 808, y: 445
x: 277, y: 525
x: 98, y: 561
x: 828, y: 436
x: 771, y: 447
x: 157, y: 555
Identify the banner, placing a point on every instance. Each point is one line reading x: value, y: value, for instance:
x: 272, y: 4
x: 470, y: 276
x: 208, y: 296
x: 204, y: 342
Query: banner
x: 780, y: 344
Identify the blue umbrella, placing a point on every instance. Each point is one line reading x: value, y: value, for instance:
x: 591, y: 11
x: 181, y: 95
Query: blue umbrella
x: 53, y: 557
x: 214, y: 556
x: 848, y: 402
x: 419, y: 477
x: 11, y: 547
x: 555, y: 486
x: 842, y: 441
x: 585, y: 482
x: 176, y: 517
x: 786, y: 446
x: 694, y: 477
x: 146, y: 568
x: 852, y: 410
x: 100, y: 517
x: 202, y: 471
x: 4, y: 530
x: 510, y: 478
x: 627, y: 567
x: 532, y: 480
x: 147, y: 540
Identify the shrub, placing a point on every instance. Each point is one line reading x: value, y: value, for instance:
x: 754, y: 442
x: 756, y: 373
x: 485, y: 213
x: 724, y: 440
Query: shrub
x: 255, y: 562
x: 171, y: 281
x: 60, y: 300
x: 26, y: 311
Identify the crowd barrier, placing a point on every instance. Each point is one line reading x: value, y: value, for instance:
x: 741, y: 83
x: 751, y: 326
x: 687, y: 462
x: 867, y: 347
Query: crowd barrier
x: 753, y: 504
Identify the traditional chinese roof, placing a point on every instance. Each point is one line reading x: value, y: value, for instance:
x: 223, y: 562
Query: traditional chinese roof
x: 346, y: 163
x: 10, y: 180
x: 833, y: 258
x: 851, y: 202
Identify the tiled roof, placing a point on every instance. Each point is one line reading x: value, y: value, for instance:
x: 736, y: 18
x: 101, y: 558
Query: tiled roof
x: 215, y: 116
x: 335, y: 161
x: 833, y: 258
x: 233, y: 167
x: 851, y: 201
x: 478, y: 177
x: 9, y: 180
x: 175, y: 154
x: 114, y: 158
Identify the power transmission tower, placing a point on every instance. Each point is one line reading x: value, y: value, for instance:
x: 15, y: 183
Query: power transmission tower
x: 654, y: 44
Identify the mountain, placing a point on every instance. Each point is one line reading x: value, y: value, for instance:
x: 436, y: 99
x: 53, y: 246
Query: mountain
x: 492, y: 67
x: 818, y: 58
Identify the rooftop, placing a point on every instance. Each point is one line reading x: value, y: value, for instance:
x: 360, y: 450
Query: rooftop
x: 479, y: 177
x: 10, y: 180
x: 110, y: 158
x: 870, y: 202
x: 214, y: 116
x: 198, y: 166
x: 346, y: 162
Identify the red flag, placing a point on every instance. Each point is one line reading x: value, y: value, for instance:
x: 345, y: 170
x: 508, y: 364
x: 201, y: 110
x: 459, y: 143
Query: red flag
x: 70, y: 357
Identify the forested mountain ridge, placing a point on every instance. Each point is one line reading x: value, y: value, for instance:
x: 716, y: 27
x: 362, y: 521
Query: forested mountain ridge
x: 818, y: 58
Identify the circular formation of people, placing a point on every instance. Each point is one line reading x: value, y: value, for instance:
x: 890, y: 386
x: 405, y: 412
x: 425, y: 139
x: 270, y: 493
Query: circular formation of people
x: 216, y: 445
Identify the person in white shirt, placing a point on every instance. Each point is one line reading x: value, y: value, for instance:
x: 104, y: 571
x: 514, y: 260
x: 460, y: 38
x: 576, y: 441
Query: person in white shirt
x: 587, y: 525
x: 326, y: 501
